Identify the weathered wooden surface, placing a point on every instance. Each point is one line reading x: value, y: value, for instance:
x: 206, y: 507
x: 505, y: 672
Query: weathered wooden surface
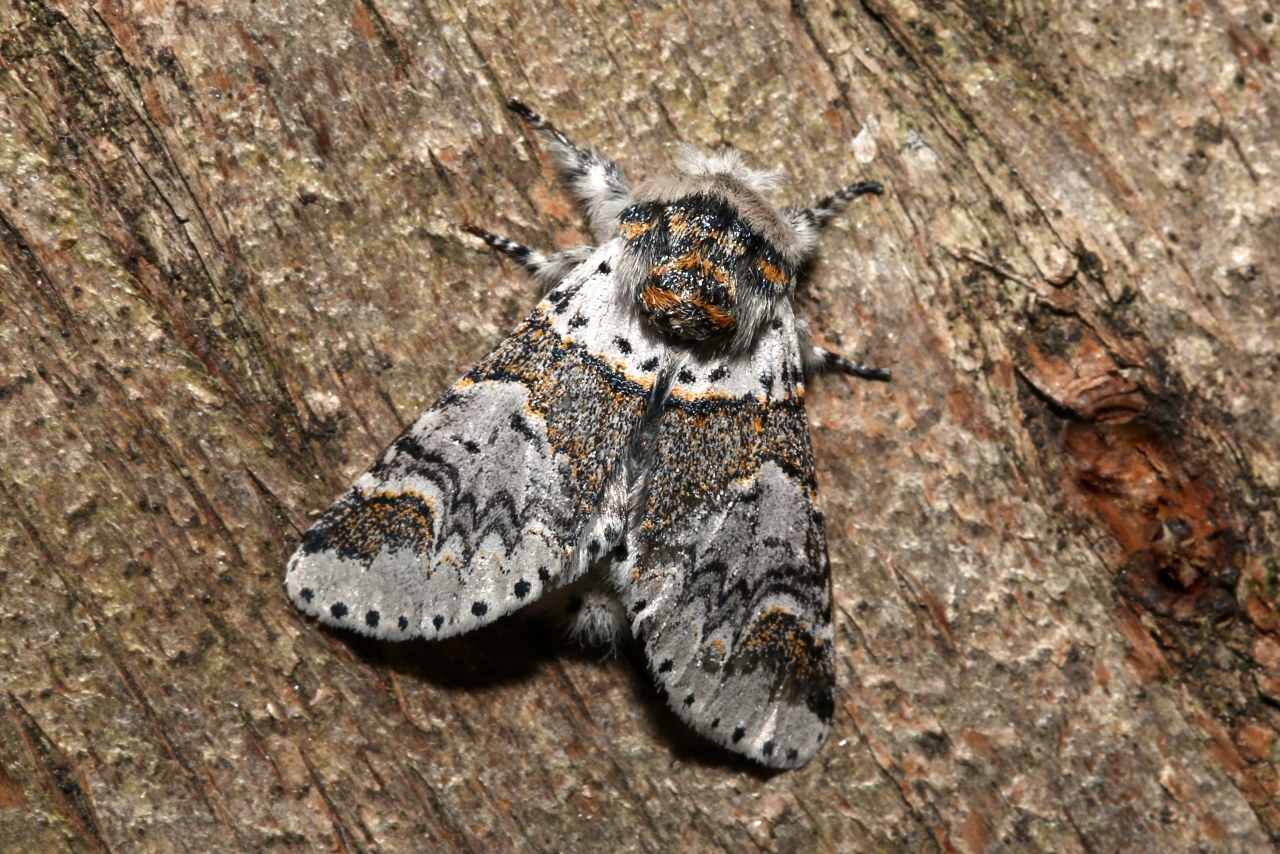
x: 231, y: 270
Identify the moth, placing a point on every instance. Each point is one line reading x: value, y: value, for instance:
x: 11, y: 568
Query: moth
x: 642, y: 435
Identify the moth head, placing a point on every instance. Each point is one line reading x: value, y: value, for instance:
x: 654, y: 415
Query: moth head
x: 727, y: 161
x: 705, y: 253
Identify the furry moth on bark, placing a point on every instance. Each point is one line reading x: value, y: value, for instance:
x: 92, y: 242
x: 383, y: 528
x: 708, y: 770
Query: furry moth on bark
x: 641, y: 434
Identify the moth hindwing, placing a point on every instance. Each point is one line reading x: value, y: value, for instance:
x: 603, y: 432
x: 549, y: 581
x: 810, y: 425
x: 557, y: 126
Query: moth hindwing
x: 640, y: 434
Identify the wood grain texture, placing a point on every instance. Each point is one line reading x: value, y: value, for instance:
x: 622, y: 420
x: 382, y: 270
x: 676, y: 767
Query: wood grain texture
x: 231, y: 269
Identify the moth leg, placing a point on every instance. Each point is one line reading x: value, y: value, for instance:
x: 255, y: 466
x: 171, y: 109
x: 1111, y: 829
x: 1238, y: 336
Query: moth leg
x: 549, y: 269
x: 594, y: 179
x: 825, y: 210
x: 818, y: 360
x: 808, y: 222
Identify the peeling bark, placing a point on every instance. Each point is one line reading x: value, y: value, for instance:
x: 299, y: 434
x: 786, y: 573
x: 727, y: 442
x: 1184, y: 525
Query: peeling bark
x: 231, y: 269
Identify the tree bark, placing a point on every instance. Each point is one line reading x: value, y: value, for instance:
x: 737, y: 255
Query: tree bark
x: 231, y: 270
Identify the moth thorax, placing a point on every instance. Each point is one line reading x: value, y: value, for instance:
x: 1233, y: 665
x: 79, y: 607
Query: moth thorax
x: 699, y: 265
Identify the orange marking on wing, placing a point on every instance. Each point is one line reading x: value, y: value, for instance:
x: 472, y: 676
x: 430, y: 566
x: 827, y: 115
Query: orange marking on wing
x: 792, y: 637
x: 680, y: 394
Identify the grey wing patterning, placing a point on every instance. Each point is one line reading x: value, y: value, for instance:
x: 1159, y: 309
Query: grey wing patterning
x: 483, y: 502
x: 726, y: 580
x: 642, y: 430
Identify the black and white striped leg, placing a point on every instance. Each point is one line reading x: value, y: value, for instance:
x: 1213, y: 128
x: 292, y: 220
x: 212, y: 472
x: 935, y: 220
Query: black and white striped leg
x: 808, y: 222
x: 548, y: 269
x: 825, y: 210
x: 594, y: 179
x: 531, y: 259
x: 821, y: 361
